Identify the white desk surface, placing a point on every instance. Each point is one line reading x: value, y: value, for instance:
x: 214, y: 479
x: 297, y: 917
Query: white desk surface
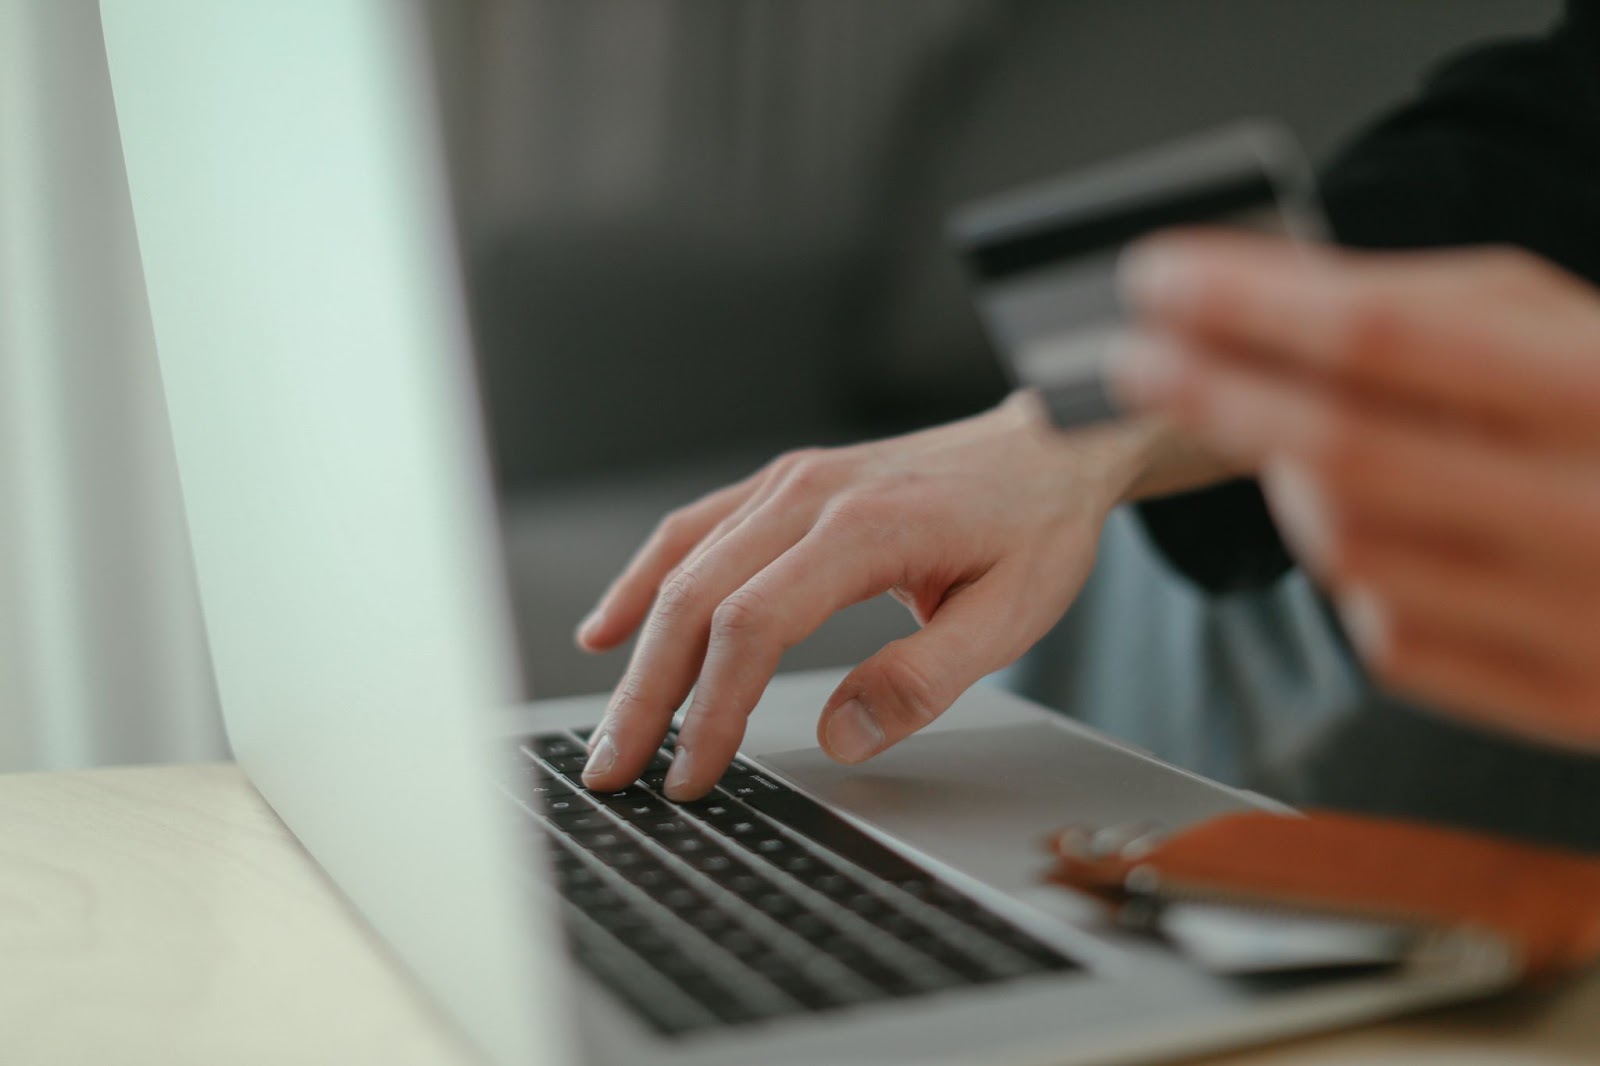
x: 163, y: 915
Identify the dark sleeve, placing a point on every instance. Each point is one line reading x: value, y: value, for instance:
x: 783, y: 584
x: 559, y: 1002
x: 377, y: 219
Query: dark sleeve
x: 1502, y: 147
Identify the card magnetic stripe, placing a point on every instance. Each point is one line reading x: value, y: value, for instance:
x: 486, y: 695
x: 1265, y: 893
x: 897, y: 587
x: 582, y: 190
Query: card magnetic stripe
x: 1023, y: 248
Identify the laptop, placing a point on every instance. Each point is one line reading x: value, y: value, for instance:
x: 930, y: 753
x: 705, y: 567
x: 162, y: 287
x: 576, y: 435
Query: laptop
x: 293, y: 206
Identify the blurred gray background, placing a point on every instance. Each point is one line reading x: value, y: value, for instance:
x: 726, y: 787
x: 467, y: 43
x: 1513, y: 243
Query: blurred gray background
x: 699, y: 231
x: 703, y: 231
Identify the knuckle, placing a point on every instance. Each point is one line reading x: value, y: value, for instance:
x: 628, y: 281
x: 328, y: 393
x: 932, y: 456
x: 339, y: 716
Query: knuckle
x: 805, y: 473
x: 854, y: 511
x: 679, y: 597
x: 914, y: 697
x: 742, y: 615
x: 790, y: 462
x: 673, y: 527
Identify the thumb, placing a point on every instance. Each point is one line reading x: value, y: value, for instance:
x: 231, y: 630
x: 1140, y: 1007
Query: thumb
x: 912, y: 681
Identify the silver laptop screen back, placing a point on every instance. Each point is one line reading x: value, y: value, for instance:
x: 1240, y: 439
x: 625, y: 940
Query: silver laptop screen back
x: 293, y: 223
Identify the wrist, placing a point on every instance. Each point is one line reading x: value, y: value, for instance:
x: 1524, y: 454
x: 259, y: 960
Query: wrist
x: 1168, y: 462
x: 1131, y: 459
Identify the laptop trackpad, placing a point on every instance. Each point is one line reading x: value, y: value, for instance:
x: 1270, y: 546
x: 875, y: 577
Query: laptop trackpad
x: 984, y: 800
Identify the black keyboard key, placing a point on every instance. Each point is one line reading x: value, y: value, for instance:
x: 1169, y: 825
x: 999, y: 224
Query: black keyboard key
x: 555, y: 746
x: 740, y: 880
x: 625, y: 859
x: 713, y: 808
x: 529, y: 768
x: 743, y: 882
x: 595, y: 896
x: 620, y: 922
x: 808, y: 926
x: 777, y: 906
x: 743, y: 786
x: 821, y: 826
x: 830, y: 883
x: 683, y: 899
x: 578, y: 818
x: 579, y: 883
x: 731, y: 823
x: 708, y: 921
x: 563, y: 809
x: 633, y: 804
x: 797, y: 863
x: 712, y: 863
x: 544, y: 785
x: 669, y: 1014
x: 666, y: 828
x: 569, y: 766
x: 651, y: 878
x: 606, y: 837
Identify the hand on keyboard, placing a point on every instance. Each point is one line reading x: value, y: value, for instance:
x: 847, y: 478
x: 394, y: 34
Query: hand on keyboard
x: 985, y: 529
x: 754, y: 904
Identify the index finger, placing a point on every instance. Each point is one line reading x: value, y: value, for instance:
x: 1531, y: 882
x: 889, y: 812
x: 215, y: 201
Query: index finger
x: 835, y: 565
x: 1486, y: 335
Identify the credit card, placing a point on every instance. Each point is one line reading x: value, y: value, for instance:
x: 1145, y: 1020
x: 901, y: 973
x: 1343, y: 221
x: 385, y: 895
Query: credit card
x: 1043, y: 259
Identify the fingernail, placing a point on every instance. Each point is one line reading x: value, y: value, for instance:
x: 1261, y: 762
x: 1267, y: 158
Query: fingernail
x: 1144, y: 369
x: 679, y: 773
x: 1154, y: 275
x: 1366, y: 621
x: 853, y: 734
x: 590, y: 621
x: 602, y: 757
x: 1301, y: 510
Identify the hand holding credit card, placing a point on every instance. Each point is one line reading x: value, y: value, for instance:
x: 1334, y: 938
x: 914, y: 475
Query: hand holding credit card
x: 1043, y: 259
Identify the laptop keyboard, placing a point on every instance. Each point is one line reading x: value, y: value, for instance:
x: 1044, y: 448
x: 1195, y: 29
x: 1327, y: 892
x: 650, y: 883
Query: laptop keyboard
x: 752, y: 904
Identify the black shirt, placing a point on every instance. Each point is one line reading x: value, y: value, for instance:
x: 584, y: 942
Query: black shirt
x: 1501, y: 147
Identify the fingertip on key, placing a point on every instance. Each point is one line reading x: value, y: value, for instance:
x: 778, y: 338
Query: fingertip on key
x: 602, y: 759
x: 679, y: 785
